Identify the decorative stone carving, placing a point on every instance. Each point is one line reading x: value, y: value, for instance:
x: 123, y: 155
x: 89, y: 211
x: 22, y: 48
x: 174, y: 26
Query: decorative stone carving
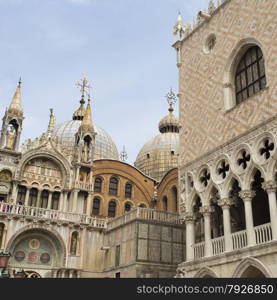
x: 269, y: 186
x: 247, y: 195
x: 225, y: 202
x: 206, y: 210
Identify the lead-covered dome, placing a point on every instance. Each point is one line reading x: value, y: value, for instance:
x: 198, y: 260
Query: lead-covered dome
x: 160, y: 154
x: 104, y: 145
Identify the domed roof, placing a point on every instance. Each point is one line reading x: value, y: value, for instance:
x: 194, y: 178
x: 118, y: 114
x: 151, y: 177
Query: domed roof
x: 104, y: 145
x: 160, y: 154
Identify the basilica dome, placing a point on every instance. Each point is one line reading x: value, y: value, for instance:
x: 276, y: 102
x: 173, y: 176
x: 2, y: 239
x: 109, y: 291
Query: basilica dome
x: 160, y: 154
x: 104, y: 145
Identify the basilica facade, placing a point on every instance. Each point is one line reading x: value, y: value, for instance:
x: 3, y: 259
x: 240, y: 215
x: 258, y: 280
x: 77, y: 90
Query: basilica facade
x: 69, y: 207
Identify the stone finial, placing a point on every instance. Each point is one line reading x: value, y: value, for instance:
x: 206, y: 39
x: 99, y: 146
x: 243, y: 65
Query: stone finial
x: 179, y: 28
x: 16, y: 105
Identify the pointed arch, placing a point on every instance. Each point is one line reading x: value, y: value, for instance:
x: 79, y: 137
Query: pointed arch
x: 205, y: 272
x: 249, y: 176
x: 248, y: 263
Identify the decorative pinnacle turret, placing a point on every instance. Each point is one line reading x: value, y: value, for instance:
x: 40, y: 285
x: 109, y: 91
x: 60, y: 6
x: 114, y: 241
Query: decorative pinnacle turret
x: 86, y: 124
x: 16, y: 106
x: 123, y: 155
x: 171, y: 99
x: 52, y: 121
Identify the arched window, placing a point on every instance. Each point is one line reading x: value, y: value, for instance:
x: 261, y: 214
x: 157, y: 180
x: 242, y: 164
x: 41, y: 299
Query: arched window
x: 112, y: 209
x: 250, y: 74
x: 128, y: 190
x: 127, y: 206
x: 55, y: 200
x: 175, y: 198
x: 33, y: 197
x: 44, y: 199
x: 96, y: 207
x: 98, y: 185
x: 113, y: 188
x: 21, y: 194
x: 165, y: 203
x: 74, y: 243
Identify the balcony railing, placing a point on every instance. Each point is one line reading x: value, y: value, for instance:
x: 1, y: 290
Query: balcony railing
x: 83, y: 185
x: 218, y: 245
x: 199, y: 250
x: 263, y: 234
x: 51, y: 215
x: 239, y: 240
x: 145, y: 214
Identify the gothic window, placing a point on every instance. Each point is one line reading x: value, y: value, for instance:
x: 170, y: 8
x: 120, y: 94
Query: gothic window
x: 44, y: 199
x: 96, y: 207
x: 128, y: 190
x: 165, y: 203
x: 250, y: 74
x: 127, y: 206
x: 33, y: 197
x: 112, y: 209
x: 74, y: 242
x: 98, y: 185
x: 21, y: 195
x: 55, y: 201
x: 113, y: 188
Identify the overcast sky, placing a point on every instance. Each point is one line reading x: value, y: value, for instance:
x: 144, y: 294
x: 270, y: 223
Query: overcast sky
x: 124, y: 47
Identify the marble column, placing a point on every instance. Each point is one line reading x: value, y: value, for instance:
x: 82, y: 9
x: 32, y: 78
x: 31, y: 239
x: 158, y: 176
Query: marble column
x: 75, y: 201
x: 206, y: 211
x: 89, y: 204
x: 38, y: 204
x: 225, y: 204
x: 247, y: 197
x: 14, y: 192
x: 26, y: 202
x: 49, y: 200
x: 270, y: 187
x: 190, y: 236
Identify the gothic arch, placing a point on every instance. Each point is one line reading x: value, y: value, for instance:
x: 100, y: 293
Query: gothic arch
x: 251, y: 262
x: 248, y: 179
x: 53, y: 233
x: 232, y: 63
x: 205, y: 272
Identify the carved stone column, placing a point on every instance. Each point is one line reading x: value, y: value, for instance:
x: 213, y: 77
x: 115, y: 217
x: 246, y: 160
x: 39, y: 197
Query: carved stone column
x: 49, y: 200
x: 75, y: 201
x: 247, y: 197
x: 190, y: 237
x: 89, y: 203
x: 14, y: 192
x: 206, y: 211
x: 225, y: 204
x: 38, y: 203
x: 270, y: 187
x: 26, y: 202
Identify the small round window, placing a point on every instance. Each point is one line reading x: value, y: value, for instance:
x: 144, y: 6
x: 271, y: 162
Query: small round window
x: 210, y: 43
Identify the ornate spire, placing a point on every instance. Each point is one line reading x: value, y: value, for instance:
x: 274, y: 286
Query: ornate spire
x: 16, y: 106
x: 52, y: 121
x: 84, y: 87
x: 86, y: 124
x: 123, y: 155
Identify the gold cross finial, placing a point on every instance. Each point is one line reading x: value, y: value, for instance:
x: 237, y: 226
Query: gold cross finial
x: 84, y: 86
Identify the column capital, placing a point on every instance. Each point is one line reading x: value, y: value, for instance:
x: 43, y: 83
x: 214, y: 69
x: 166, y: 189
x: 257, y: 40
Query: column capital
x: 206, y: 210
x: 189, y: 217
x: 225, y: 202
x: 247, y: 195
x: 269, y: 186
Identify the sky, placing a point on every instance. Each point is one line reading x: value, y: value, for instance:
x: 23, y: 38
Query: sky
x: 123, y: 46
